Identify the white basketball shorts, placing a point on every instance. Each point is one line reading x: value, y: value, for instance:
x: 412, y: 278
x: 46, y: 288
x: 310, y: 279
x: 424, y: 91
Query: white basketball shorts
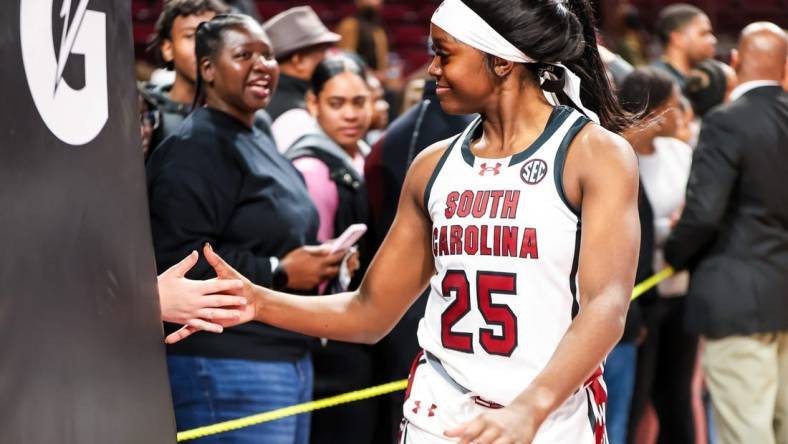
x: 433, y: 405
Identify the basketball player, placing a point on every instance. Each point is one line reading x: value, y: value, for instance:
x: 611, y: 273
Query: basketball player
x: 524, y: 226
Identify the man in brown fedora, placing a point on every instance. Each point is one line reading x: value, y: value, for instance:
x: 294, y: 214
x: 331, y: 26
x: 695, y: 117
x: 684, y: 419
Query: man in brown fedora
x: 300, y: 42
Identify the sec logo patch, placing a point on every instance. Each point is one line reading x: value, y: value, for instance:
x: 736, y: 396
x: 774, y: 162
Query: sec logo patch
x: 533, y: 171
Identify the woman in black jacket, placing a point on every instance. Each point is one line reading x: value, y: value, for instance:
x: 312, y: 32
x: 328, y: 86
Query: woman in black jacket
x: 219, y: 179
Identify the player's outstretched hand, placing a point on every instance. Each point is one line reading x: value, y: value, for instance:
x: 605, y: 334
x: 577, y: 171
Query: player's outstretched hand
x: 199, y: 305
x: 247, y: 289
x: 508, y: 425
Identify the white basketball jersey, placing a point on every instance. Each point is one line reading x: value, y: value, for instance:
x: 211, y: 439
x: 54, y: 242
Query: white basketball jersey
x: 506, y: 245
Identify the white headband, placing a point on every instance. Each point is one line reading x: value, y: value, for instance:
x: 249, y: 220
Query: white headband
x: 456, y: 18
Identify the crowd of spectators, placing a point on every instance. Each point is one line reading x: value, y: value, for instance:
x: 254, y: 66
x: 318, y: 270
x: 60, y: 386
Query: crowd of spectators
x: 271, y: 167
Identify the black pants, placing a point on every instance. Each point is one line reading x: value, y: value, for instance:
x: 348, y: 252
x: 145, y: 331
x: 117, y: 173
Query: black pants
x: 341, y: 367
x: 665, y: 366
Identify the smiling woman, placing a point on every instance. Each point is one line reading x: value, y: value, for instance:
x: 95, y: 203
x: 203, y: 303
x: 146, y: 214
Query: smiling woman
x: 219, y: 179
x: 513, y: 343
x: 332, y: 159
x: 332, y: 163
x: 238, y: 77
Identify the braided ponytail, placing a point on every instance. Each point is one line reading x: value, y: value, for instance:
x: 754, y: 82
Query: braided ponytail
x: 553, y: 31
x: 596, y: 90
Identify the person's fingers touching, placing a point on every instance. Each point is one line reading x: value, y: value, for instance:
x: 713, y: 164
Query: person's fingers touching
x: 181, y: 268
x: 202, y: 324
x: 245, y: 291
x: 223, y: 269
x: 181, y: 298
x: 180, y: 334
x: 208, y: 305
x: 184, y: 300
x: 192, y: 326
x: 218, y: 314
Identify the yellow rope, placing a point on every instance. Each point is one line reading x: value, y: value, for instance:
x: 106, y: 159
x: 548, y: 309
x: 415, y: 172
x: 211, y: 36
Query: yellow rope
x: 651, y: 282
x: 357, y: 395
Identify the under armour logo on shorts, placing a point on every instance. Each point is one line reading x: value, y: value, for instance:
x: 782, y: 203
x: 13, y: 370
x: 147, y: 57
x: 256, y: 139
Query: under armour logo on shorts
x: 430, y: 411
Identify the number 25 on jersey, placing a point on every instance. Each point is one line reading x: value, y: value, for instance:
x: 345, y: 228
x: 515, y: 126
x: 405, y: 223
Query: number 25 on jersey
x: 487, y: 283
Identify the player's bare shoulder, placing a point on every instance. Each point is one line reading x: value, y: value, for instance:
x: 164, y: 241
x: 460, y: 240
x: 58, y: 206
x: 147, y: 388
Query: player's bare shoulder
x: 595, y: 149
x: 424, y: 165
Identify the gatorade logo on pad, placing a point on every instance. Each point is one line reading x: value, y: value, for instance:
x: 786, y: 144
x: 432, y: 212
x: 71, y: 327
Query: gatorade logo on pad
x: 75, y: 116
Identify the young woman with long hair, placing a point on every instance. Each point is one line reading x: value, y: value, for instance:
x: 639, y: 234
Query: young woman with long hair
x: 524, y: 226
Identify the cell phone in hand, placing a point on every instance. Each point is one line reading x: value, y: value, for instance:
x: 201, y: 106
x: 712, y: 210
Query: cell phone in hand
x: 348, y: 238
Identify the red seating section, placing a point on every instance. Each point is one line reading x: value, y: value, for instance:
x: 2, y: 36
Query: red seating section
x: 407, y: 21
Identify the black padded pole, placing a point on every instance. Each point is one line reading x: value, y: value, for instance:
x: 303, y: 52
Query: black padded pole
x: 81, y: 353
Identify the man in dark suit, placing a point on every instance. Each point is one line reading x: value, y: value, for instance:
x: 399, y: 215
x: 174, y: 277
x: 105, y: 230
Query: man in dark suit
x: 733, y: 236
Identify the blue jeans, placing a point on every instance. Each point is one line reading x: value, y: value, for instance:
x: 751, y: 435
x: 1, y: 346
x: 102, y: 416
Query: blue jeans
x: 209, y: 390
x: 710, y: 428
x: 620, y: 381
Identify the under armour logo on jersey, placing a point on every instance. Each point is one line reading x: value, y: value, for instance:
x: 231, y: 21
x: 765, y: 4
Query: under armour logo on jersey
x: 430, y: 411
x: 496, y: 170
x: 533, y: 171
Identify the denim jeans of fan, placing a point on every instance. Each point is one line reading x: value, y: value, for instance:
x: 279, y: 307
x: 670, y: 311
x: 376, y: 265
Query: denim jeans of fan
x: 620, y: 381
x: 209, y: 390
